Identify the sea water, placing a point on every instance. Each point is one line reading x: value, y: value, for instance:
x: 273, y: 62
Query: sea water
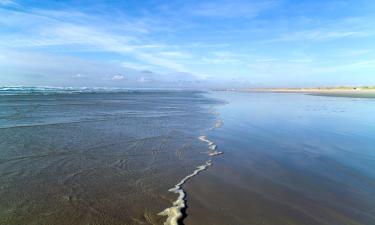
x: 97, y: 156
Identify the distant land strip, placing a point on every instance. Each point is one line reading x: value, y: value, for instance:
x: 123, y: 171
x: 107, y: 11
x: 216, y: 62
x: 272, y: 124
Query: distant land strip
x: 342, y: 91
x: 306, y: 89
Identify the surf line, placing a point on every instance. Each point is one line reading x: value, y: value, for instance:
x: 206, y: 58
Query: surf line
x: 211, y: 145
x: 174, y: 214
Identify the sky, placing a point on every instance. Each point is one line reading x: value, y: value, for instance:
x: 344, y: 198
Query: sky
x: 191, y: 43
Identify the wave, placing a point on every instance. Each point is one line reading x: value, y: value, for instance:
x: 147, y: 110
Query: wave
x: 46, y: 90
x: 174, y: 214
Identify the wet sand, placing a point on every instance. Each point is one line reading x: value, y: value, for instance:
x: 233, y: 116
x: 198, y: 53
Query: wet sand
x: 329, y: 92
x: 97, y: 158
x: 123, y: 158
x: 311, y: 161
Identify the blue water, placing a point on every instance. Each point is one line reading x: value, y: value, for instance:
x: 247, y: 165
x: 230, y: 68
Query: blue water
x: 109, y: 156
x: 290, y: 159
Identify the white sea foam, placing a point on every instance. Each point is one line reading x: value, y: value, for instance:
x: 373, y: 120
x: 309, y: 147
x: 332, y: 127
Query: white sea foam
x: 205, y: 139
x: 215, y: 153
x: 211, y: 145
x: 45, y: 90
x: 174, y: 213
x: 218, y: 124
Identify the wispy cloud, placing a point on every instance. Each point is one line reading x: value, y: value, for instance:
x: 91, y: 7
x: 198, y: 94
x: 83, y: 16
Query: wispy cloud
x: 118, y: 77
x: 249, y: 40
x: 319, y: 35
x: 84, y: 36
x: 318, y: 31
x: 8, y: 2
x: 46, y: 69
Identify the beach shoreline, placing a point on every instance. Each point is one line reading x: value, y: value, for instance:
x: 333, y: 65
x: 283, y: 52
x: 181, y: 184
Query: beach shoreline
x: 358, y: 92
x: 292, y: 165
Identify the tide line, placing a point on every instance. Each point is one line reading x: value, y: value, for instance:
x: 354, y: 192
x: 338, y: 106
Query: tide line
x: 174, y: 214
x: 211, y: 145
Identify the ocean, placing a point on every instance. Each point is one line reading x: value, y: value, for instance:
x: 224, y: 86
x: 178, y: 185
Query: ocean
x: 116, y: 156
x: 93, y: 156
x: 292, y: 158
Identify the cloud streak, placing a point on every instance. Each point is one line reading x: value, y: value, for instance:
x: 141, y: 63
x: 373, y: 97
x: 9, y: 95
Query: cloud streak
x: 215, y: 41
x: 83, y: 36
x: 8, y: 2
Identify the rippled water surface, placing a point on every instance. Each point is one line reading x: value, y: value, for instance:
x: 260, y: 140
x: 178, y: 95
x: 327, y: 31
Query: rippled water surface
x: 78, y: 157
x: 110, y: 157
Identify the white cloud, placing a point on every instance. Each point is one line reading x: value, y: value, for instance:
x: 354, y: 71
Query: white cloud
x: 118, y: 77
x: 133, y: 65
x: 78, y: 75
x: 319, y: 35
x: 28, y: 68
x: 154, y: 59
x: 243, y: 47
x: 319, y: 31
x: 216, y: 60
x: 175, y: 55
x: 8, y: 2
x: 84, y: 35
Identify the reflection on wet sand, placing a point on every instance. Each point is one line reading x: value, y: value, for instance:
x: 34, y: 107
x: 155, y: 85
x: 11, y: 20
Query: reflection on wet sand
x: 289, y: 159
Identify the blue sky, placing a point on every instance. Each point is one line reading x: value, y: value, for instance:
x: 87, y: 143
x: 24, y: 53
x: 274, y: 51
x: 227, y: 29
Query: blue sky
x: 222, y: 43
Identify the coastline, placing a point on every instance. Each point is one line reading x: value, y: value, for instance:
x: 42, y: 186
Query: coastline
x: 107, y: 158
x: 175, y: 214
x: 316, y: 90
x: 355, y: 92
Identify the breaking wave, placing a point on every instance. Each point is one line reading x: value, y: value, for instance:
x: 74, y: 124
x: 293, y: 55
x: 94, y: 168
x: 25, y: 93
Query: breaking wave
x: 40, y: 90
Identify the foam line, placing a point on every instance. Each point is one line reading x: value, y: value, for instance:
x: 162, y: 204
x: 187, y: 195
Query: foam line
x: 174, y: 213
x: 215, y: 153
x: 211, y: 145
x: 218, y: 124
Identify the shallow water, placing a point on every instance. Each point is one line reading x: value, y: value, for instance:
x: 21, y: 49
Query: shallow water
x: 289, y: 159
x: 110, y: 157
x: 78, y: 157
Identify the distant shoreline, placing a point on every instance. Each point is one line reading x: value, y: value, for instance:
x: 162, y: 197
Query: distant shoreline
x: 313, y: 89
x: 359, y: 92
x: 318, y: 90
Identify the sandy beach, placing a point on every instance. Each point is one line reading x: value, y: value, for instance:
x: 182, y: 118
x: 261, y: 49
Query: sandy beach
x: 192, y: 112
x: 344, y: 92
